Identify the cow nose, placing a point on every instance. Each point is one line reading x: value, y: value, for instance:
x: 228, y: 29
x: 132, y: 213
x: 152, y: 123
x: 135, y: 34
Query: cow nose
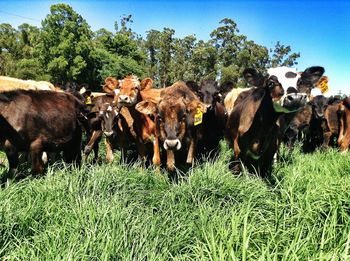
x: 124, y: 98
x: 172, y: 144
x: 319, y: 115
x: 108, y: 133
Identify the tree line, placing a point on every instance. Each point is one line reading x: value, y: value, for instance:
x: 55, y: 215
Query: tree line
x: 66, y: 49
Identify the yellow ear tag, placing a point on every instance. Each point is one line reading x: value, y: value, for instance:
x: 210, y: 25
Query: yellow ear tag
x: 198, y: 117
x: 324, y: 86
x: 88, y: 100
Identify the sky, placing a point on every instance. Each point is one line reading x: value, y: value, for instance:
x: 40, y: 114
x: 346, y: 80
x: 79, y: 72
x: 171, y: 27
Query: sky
x: 319, y: 30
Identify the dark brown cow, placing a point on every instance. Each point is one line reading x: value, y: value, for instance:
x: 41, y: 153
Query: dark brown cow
x: 332, y: 116
x: 316, y: 125
x: 344, y: 126
x: 176, y: 115
x: 94, y: 132
x: 38, y: 121
x: 115, y: 129
x: 252, y: 127
x: 211, y: 131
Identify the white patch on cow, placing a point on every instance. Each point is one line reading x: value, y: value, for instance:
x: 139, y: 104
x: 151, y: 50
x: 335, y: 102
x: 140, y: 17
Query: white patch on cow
x: 107, y: 115
x: 116, y: 91
x: 116, y: 113
x: 82, y: 90
x: 109, y: 108
x: 101, y: 112
x: 44, y: 157
x: 280, y: 73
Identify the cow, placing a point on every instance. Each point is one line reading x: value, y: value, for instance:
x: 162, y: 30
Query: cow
x: 115, y: 129
x: 344, y: 125
x: 302, y: 82
x: 298, y: 86
x: 316, y: 125
x: 211, y: 131
x: 10, y: 84
x: 94, y: 131
x: 128, y: 92
x: 177, y: 115
x: 253, y: 127
x: 38, y: 121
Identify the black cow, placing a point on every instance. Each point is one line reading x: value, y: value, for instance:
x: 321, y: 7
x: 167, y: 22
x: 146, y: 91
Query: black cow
x: 211, y: 131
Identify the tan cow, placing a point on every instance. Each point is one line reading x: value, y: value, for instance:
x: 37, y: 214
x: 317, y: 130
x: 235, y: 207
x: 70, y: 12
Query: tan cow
x: 10, y: 84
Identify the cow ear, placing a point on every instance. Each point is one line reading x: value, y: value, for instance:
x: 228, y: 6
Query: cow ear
x: 195, y: 105
x: 146, y: 84
x: 253, y: 77
x: 313, y: 74
x: 146, y: 107
x: 248, y: 112
x: 110, y: 85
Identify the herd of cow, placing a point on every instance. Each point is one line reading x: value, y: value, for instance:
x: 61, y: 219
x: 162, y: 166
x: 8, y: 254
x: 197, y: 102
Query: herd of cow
x: 175, y: 125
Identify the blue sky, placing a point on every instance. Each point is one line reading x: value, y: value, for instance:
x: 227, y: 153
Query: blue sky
x: 319, y: 30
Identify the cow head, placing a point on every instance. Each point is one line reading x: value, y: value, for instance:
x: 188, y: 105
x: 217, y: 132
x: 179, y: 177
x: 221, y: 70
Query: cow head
x: 319, y: 104
x: 173, y: 117
x: 209, y: 93
x: 301, y: 82
x: 128, y: 93
x: 108, y: 115
x: 270, y: 83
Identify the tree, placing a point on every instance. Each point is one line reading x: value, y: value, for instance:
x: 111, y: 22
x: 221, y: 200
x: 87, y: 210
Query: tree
x: 281, y: 56
x: 66, y: 44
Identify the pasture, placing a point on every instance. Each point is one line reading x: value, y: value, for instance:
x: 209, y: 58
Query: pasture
x: 124, y: 212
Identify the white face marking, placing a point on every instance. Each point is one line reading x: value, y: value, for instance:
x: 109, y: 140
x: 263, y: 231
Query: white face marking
x: 116, y: 113
x: 116, y: 91
x: 280, y: 73
x: 101, y: 112
x: 109, y: 108
x: 107, y: 115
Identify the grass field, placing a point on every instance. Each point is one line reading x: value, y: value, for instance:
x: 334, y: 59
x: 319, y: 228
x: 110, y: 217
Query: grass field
x: 115, y: 212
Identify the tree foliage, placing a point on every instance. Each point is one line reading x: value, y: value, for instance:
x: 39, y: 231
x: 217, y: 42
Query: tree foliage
x: 66, y: 49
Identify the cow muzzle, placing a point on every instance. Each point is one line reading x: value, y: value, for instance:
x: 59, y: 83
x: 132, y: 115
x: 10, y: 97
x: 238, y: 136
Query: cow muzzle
x: 295, y: 100
x: 108, y: 133
x: 172, y: 144
x: 125, y: 99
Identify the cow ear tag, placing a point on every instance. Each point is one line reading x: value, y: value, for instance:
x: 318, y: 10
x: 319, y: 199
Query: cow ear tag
x: 324, y: 85
x: 198, y: 117
x: 88, y: 100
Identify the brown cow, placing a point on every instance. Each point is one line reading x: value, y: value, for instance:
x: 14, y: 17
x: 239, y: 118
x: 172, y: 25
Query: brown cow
x: 128, y: 92
x: 252, y: 127
x: 176, y: 115
x: 344, y: 126
x: 38, y: 121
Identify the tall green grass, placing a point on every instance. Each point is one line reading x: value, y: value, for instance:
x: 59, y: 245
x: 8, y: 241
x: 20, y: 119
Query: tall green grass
x: 124, y: 212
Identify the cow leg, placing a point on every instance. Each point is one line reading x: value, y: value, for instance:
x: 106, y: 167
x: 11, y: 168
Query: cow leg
x: 236, y: 148
x: 156, y: 152
x: 341, y: 125
x: 170, y: 160
x: 12, y: 157
x: 191, y: 151
x: 326, y: 139
x: 141, y: 150
x: 91, y: 144
x: 36, y: 151
x: 109, y: 151
x: 72, y: 153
